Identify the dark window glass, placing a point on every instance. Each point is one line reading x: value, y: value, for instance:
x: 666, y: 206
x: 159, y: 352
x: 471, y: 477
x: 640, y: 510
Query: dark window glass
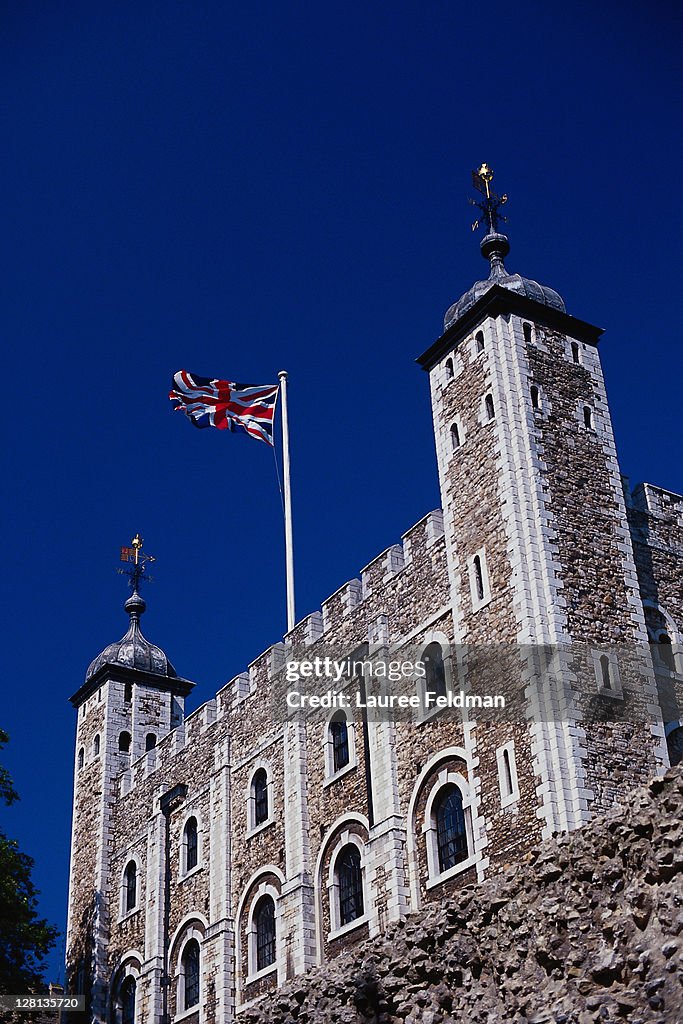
x: 150, y: 741
x: 124, y: 742
x: 128, y: 1000
x: 435, y: 677
x: 534, y: 396
x: 191, y: 845
x: 191, y: 973
x: 455, y: 436
x: 479, y: 337
x: 131, y: 885
x: 575, y: 352
x: 264, y: 918
x: 128, y: 692
x: 259, y: 788
x: 451, y: 834
x: 81, y: 757
x: 96, y: 745
x: 350, y: 879
x: 588, y: 417
x: 605, y: 672
x: 666, y: 652
x: 490, y: 410
x: 508, y: 772
x: 339, y: 732
x: 450, y: 372
x: 526, y: 328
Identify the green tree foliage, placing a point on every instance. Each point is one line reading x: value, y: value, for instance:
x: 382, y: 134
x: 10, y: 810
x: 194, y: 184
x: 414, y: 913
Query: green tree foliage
x: 25, y: 939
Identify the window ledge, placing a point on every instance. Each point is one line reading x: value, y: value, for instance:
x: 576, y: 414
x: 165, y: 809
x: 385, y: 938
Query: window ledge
x: 128, y: 914
x: 184, y: 1014
x: 484, y: 603
x: 259, y: 975
x: 457, y: 869
x: 257, y: 829
x: 613, y: 694
x: 509, y: 799
x: 346, y: 928
x: 191, y: 872
x: 338, y: 775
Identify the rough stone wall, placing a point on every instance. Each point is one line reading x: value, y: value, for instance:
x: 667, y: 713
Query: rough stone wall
x: 587, y: 928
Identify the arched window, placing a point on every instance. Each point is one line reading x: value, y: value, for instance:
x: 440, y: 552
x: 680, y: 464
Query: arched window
x: 191, y: 843
x: 259, y: 793
x: 339, y: 735
x: 81, y: 757
x: 150, y: 741
x: 450, y: 369
x: 535, y: 403
x: 124, y: 742
x: 455, y: 437
x: 96, y: 745
x: 125, y: 1001
x: 666, y: 652
x: 575, y: 352
x: 588, y: 417
x: 490, y: 408
x: 264, y: 923
x: 350, y: 882
x: 435, y: 673
x: 526, y: 329
x: 605, y: 672
x: 190, y: 964
x: 451, y: 834
x: 130, y: 886
x: 479, y: 338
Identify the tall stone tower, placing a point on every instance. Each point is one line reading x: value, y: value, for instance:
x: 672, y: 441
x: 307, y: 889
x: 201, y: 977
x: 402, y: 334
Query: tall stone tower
x: 131, y: 698
x: 538, y: 545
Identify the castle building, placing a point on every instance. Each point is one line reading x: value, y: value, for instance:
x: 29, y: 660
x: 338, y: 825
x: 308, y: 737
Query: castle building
x: 216, y: 855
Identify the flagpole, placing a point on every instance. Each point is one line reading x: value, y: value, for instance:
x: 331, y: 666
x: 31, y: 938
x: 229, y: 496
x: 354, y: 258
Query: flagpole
x: 289, y: 550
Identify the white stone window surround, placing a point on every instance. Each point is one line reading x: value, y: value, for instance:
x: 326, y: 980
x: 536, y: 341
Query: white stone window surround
x: 484, y: 418
x: 182, y: 853
x: 615, y: 689
x: 181, y: 1011
x: 507, y: 796
x: 264, y: 889
x: 571, y: 346
x: 252, y: 828
x: 479, y: 602
x: 328, y: 747
x: 344, y: 839
x: 425, y: 714
x: 477, y: 347
x: 129, y: 967
x: 123, y: 889
x: 247, y: 890
x: 445, y: 778
x: 460, y: 427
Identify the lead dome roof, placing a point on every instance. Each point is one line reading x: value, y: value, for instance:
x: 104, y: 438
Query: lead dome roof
x: 133, y: 650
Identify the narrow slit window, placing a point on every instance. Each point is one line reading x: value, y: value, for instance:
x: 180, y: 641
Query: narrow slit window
x: 435, y: 672
x: 478, y: 577
x: 526, y: 328
x: 455, y: 437
x: 339, y: 734
x: 124, y: 742
x: 490, y: 408
x: 605, y: 672
x: 479, y: 339
x: 535, y: 398
x: 507, y: 773
x: 450, y: 369
x: 259, y: 791
x: 588, y: 417
x: 575, y: 352
x: 150, y: 741
x: 128, y: 692
x: 81, y: 757
x: 96, y: 745
x: 131, y: 886
x: 191, y: 844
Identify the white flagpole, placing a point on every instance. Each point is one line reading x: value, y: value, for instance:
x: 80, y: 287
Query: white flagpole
x: 289, y: 550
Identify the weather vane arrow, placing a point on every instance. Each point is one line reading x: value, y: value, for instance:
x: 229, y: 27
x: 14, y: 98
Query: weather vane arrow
x: 491, y: 203
x: 139, y: 559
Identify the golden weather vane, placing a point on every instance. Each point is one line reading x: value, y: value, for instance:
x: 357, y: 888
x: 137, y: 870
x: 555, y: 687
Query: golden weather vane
x: 137, y: 556
x: 490, y: 207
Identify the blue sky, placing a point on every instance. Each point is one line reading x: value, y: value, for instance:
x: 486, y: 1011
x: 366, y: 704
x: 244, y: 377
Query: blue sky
x: 240, y: 188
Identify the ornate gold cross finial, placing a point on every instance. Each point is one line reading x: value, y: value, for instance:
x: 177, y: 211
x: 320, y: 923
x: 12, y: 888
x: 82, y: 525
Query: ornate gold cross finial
x: 135, y: 554
x: 490, y: 207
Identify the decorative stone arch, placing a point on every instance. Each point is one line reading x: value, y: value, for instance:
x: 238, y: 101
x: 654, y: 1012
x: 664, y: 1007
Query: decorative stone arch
x: 267, y: 881
x: 130, y: 858
x: 668, y: 628
x: 182, y: 846
x: 331, y: 775
x: 435, y: 636
x: 129, y: 966
x: 350, y: 828
x: 445, y: 779
x: 259, y: 765
x: 451, y: 763
x: 193, y: 926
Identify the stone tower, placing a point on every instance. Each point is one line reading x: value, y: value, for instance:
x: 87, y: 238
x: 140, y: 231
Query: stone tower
x: 538, y: 545
x: 130, y: 699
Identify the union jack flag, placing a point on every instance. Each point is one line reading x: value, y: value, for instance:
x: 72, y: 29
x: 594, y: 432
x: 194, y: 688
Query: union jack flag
x: 242, y: 408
